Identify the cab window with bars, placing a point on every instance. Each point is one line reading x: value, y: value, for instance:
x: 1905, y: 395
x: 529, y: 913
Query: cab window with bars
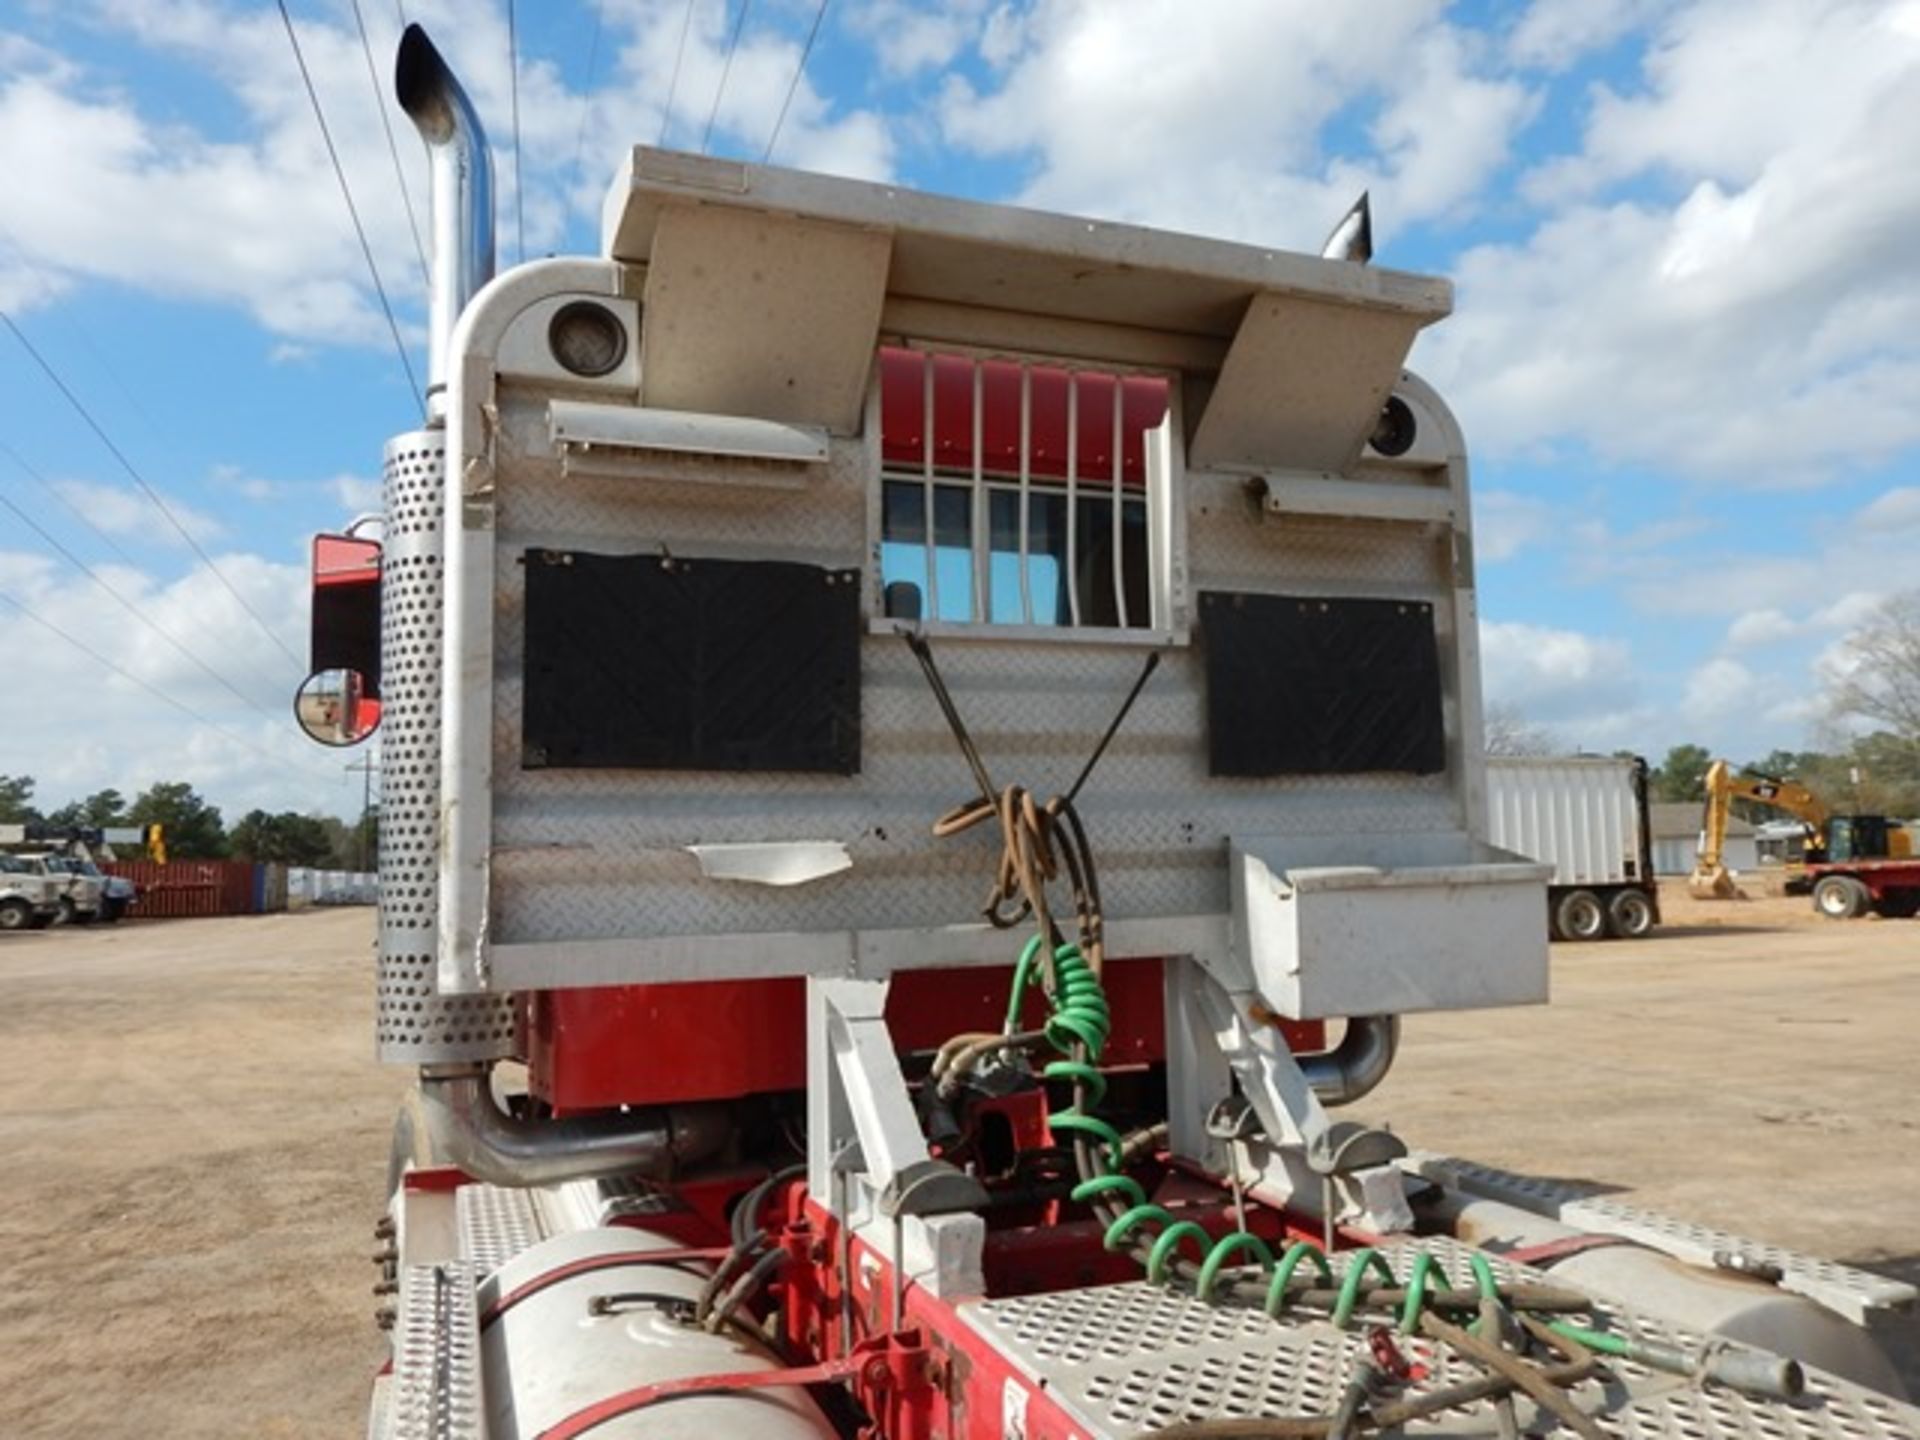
x: 1044, y: 509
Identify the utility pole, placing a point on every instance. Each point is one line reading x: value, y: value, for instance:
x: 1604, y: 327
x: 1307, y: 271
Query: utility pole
x: 366, y: 767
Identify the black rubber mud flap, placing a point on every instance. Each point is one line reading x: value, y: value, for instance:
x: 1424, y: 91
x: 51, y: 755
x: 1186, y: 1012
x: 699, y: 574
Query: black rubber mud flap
x: 659, y: 663
x: 1298, y: 685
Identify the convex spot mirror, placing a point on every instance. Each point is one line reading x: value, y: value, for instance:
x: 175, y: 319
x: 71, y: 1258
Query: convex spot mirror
x: 333, y: 707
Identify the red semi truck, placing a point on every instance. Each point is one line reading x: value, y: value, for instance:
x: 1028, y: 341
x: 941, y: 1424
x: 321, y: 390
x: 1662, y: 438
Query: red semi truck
x: 916, y: 722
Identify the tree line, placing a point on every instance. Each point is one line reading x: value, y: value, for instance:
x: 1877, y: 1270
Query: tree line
x: 196, y: 830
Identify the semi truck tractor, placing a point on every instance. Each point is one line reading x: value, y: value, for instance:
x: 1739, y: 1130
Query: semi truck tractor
x: 1587, y: 817
x: 928, y: 748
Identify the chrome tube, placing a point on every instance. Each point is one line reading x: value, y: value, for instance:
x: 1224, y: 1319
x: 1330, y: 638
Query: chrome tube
x: 471, y: 1131
x: 1358, y: 1063
x: 462, y: 211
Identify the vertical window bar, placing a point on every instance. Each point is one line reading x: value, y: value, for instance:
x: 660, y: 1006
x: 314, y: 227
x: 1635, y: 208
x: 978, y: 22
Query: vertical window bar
x: 1026, y: 466
x: 932, y: 612
x: 1073, y: 515
x: 980, y: 535
x: 1119, y: 503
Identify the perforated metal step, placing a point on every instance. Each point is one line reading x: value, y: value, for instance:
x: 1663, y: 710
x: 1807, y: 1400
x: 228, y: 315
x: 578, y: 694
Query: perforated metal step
x: 435, y: 1392
x: 1841, y: 1288
x: 1123, y: 1360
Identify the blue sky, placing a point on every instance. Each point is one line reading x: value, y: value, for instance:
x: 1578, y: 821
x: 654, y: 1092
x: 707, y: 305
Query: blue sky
x: 1684, y: 348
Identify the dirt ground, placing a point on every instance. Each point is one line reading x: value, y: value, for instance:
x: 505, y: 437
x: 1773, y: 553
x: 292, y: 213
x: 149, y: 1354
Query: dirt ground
x: 196, y: 1131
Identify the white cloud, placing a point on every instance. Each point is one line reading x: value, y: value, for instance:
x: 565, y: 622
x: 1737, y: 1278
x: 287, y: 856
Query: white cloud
x: 1581, y: 686
x: 1718, y: 689
x: 1896, y: 510
x: 909, y: 39
x: 356, y: 493
x: 111, y: 732
x: 1766, y: 626
x: 1133, y: 110
x: 257, y: 221
x: 123, y: 510
x: 1505, y: 523
x: 1760, y: 328
x: 1554, y: 33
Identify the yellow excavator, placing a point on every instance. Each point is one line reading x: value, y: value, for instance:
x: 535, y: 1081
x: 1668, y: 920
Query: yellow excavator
x: 1830, y: 837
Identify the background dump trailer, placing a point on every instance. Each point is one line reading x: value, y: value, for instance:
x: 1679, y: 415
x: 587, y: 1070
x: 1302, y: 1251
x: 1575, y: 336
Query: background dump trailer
x: 1585, y: 815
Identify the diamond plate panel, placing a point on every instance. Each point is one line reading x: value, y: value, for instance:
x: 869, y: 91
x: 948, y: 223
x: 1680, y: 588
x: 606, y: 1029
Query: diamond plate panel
x: 1841, y: 1288
x: 600, y: 854
x: 436, y: 1391
x: 1123, y: 1359
x: 414, y: 1025
x: 496, y: 1224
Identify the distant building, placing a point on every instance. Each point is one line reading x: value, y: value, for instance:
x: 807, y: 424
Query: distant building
x: 1676, y: 840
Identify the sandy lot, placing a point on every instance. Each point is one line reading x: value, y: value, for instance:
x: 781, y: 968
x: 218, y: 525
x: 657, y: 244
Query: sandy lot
x: 195, y: 1136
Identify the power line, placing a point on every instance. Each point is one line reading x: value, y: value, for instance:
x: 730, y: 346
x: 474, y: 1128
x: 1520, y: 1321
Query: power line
x: 353, y: 210
x: 132, y: 609
x: 726, y: 68
x: 666, y: 118
x: 72, y: 509
x: 798, y: 70
x: 513, y: 88
x: 141, y: 480
x: 586, y: 104
x: 386, y: 123
x: 129, y: 676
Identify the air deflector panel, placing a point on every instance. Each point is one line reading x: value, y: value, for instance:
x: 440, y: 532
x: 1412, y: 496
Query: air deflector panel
x: 667, y: 663
x: 1300, y: 685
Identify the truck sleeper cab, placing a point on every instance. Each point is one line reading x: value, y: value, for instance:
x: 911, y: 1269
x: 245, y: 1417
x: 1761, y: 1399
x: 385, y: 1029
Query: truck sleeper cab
x: 918, y: 721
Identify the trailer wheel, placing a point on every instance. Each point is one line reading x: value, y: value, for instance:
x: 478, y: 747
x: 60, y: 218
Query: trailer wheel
x: 1581, y: 916
x: 1630, y: 914
x: 1840, y: 897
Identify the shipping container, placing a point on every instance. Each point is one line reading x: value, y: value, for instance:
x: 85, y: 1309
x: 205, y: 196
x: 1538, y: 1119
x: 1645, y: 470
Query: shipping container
x: 1585, y: 815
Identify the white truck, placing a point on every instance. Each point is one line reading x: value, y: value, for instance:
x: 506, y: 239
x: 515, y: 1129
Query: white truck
x: 1586, y: 816
x: 29, y: 897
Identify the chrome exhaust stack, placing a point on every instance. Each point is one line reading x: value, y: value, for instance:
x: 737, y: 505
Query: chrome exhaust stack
x: 462, y: 210
x: 1358, y: 1063
x: 470, y: 1130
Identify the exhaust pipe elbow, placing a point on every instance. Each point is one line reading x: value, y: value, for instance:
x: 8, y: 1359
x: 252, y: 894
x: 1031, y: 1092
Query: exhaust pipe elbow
x: 1358, y: 1063
x: 471, y: 1131
x: 462, y: 207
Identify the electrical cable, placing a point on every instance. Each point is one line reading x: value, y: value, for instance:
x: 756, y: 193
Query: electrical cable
x: 513, y: 89
x: 793, y: 86
x: 726, y: 69
x: 353, y: 210
x: 158, y: 694
x: 393, y: 149
x: 673, y: 84
x: 71, y: 508
x: 147, y: 489
x: 586, y: 104
x: 132, y: 609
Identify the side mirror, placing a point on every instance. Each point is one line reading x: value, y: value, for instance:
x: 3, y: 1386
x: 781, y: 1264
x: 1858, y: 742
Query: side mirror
x: 333, y: 707
x: 340, y: 702
x: 346, y: 606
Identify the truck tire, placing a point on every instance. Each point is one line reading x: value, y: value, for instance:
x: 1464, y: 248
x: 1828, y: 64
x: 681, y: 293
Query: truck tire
x: 1580, y: 916
x: 15, y: 915
x: 69, y: 912
x: 1840, y: 897
x: 1630, y: 914
x: 1898, y: 905
x: 412, y: 1147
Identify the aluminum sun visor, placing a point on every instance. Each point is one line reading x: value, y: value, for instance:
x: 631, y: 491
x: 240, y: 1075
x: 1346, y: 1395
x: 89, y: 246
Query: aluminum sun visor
x: 750, y: 313
x: 609, y: 439
x: 1303, y: 384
